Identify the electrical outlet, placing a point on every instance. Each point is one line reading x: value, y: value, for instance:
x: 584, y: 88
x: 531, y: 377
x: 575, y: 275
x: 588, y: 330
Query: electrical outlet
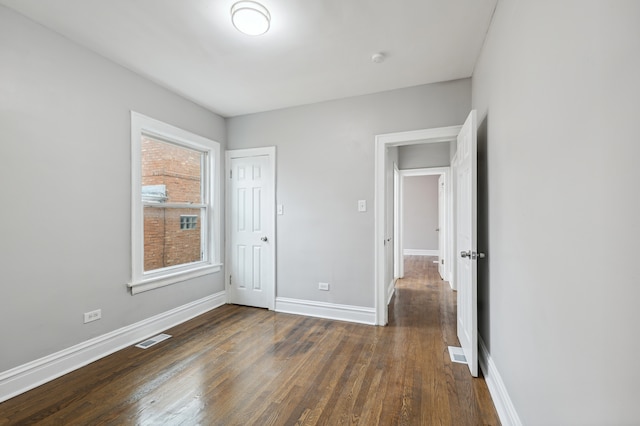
x: 362, y: 205
x: 92, y: 316
x: 323, y: 286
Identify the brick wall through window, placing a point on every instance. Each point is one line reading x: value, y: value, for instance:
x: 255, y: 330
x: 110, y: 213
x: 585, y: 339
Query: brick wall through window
x: 179, y: 170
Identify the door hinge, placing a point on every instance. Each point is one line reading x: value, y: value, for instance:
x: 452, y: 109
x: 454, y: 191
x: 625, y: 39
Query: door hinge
x: 230, y: 280
x: 442, y: 261
x: 230, y: 174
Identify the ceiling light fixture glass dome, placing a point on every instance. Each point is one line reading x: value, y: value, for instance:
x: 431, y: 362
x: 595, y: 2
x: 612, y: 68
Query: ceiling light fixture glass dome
x: 250, y: 17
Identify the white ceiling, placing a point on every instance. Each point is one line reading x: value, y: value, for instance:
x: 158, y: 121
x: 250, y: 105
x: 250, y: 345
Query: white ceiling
x: 316, y: 50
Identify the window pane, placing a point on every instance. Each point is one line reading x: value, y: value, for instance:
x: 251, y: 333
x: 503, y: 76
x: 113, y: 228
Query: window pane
x: 188, y: 222
x: 167, y: 242
x: 170, y: 173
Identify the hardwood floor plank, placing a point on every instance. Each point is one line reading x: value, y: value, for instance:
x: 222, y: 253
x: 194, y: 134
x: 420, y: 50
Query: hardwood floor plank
x: 237, y: 366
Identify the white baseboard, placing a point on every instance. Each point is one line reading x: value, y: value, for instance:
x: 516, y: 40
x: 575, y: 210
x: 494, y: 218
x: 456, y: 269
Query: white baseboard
x: 35, y: 373
x: 502, y: 401
x: 326, y: 310
x: 391, y: 289
x: 420, y: 252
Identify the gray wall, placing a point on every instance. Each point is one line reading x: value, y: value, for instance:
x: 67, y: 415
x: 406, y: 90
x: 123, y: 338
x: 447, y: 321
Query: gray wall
x: 424, y: 155
x: 420, y: 212
x: 557, y: 90
x: 65, y: 170
x: 325, y: 156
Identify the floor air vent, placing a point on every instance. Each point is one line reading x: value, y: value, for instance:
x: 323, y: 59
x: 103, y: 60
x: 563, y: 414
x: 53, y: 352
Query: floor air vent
x: 457, y: 355
x: 152, y: 341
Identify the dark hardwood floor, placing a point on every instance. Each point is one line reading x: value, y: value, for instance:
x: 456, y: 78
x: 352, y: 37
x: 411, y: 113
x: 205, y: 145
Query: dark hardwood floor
x: 244, y: 366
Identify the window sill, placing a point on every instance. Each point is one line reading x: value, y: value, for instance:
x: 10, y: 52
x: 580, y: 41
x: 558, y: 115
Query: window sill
x: 147, y: 284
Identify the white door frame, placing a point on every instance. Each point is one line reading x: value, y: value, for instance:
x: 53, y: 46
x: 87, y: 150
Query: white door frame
x: 446, y: 252
x: 270, y: 152
x: 382, y: 142
x: 398, y: 262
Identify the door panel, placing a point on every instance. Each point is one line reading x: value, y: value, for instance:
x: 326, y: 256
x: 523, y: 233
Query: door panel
x: 252, y: 232
x: 466, y: 241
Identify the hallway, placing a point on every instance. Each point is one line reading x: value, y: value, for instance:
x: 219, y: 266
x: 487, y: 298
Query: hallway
x: 237, y: 365
x: 424, y: 308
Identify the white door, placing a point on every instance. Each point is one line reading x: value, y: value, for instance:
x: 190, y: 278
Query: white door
x: 441, y: 227
x: 251, y: 215
x: 466, y: 241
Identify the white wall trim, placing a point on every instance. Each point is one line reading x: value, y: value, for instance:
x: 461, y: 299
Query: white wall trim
x: 311, y: 308
x: 497, y: 389
x: 428, y: 171
x: 398, y: 260
x: 420, y: 252
x: 35, y: 373
x: 417, y: 137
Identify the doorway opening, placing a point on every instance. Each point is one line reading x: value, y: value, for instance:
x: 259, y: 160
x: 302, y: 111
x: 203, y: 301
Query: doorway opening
x: 384, y: 229
x: 464, y: 163
x: 423, y: 219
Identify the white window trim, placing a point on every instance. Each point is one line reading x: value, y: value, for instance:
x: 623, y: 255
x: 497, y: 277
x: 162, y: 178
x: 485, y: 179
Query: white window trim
x: 141, y: 281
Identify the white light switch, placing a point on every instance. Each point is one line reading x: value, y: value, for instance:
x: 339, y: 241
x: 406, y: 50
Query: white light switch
x: 280, y: 209
x: 362, y: 205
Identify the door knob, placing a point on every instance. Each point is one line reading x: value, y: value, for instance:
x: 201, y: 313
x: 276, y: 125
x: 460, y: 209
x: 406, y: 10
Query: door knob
x: 475, y: 255
x: 264, y: 239
x: 472, y: 255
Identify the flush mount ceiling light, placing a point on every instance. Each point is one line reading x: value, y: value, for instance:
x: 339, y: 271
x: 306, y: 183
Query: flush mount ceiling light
x: 250, y: 18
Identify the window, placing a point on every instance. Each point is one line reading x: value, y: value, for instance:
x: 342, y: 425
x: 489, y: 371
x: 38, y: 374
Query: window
x: 173, y: 192
x: 188, y: 222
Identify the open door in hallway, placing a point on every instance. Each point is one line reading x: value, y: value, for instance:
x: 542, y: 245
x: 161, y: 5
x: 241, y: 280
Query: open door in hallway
x: 466, y: 240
